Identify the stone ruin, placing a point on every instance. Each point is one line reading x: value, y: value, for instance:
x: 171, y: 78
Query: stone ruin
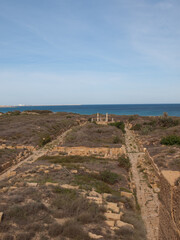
x: 101, y: 120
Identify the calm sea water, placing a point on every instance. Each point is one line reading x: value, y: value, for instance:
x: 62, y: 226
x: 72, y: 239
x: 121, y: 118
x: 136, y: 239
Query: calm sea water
x: 119, y: 109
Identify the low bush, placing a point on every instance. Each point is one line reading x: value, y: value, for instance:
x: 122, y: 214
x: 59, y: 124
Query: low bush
x: 113, y: 198
x: 8, y: 237
x: 124, y: 162
x: 175, y: 164
x: 70, y: 204
x: 109, y: 177
x: 137, y: 127
x: 139, y: 229
x: 147, y: 129
x: 119, y: 125
x: 125, y: 232
x: 4, y: 227
x: 71, y: 159
x: 116, y: 139
x: 171, y: 140
x: 44, y: 140
x: 168, y: 122
x: 74, y: 230
x: 90, y: 181
x: 55, y: 230
x: 20, y: 213
x: 25, y: 236
x: 39, y: 111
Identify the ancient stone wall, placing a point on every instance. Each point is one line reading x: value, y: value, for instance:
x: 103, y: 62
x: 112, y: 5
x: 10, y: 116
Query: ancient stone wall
x: 87, y: 151
x: 169, y: 201
x: 169, y: 215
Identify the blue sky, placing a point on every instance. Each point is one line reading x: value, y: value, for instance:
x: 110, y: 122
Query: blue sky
x: 88, y: 52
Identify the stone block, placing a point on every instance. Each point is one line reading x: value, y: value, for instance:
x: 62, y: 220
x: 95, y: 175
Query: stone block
x: 69, y: 186
x: 31, y: 184
x: 1, y: 216
x: 95, y: 236
x: 126, y: 194
x: 120, y: 224
x: 113, y: 216
x: 110, y: 223
x: 113, y: 207
x: 51, y: 184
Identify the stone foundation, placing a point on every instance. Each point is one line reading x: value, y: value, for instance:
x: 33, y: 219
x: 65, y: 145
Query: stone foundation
x: 87, y: 151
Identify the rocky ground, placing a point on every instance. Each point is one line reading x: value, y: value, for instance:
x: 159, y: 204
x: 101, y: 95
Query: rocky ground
x: 55, y: 196
x: 22, y: 133
x: 151, y: 131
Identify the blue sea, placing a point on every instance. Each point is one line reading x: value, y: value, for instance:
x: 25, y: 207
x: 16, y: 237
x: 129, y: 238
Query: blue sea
x: 119, y: 109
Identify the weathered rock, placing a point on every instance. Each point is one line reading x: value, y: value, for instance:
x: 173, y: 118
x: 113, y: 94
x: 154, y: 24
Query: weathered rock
x: 95, y: 236
x: 74, y: 171
x: 11, y: 174
x: 110, y: 223
x: 1, y: 216
x: 123, y: 224
x: 113, y: 207
x: 12, y: 188
x: 58, y: 167
x: 95, y: 199
x: 31, y: 184
x: 95, y: 194
x: 126, y: 194
x: 113, y: 216
x: 105, y: 195
x: 156, y: 190
x: 69, y: 186
x: 51, y: 184
x: 4, y: 189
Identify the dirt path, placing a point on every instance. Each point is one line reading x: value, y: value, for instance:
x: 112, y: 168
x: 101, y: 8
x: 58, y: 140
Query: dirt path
x: 146, y: 197
x: 36, y: 154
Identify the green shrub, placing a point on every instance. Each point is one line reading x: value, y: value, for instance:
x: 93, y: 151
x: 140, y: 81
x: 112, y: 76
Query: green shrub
x: 70, y: 204
x: 124, y: 162
x: 14, y: 113
x: 133, y: 117
x: 39, y: 111
x: 20, y: 213
x: 168, y: 122
x: 71, y: 159
x: 90, y: 181
x: 171, y: 140
x: 119, y: 125
x: 136, y: 127
x: 116, y: 139
x: 109, y: 177
x: 145, y: 130
x: 44, y: 140
x: 133, y: 218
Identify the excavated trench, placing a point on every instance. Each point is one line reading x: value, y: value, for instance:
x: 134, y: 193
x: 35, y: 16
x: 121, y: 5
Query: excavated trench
x: 147, y: 198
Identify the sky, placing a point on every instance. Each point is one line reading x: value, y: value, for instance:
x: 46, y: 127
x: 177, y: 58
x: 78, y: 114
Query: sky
x: 89, y: 52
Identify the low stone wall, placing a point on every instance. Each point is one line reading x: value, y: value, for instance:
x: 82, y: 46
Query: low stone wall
x: 169, y: 213
x: 25, y: 147
x: 151, y: 160
x: 169, y: 200
x: 87, y: 151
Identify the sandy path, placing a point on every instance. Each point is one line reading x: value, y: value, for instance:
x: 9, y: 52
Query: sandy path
x: 147, y: 199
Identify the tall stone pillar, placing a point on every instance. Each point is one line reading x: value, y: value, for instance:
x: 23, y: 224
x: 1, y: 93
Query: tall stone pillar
x: 106, y: 117
x: 98, y: 117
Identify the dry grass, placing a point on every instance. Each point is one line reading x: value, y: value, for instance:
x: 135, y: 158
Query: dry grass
x: 93, y: 135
